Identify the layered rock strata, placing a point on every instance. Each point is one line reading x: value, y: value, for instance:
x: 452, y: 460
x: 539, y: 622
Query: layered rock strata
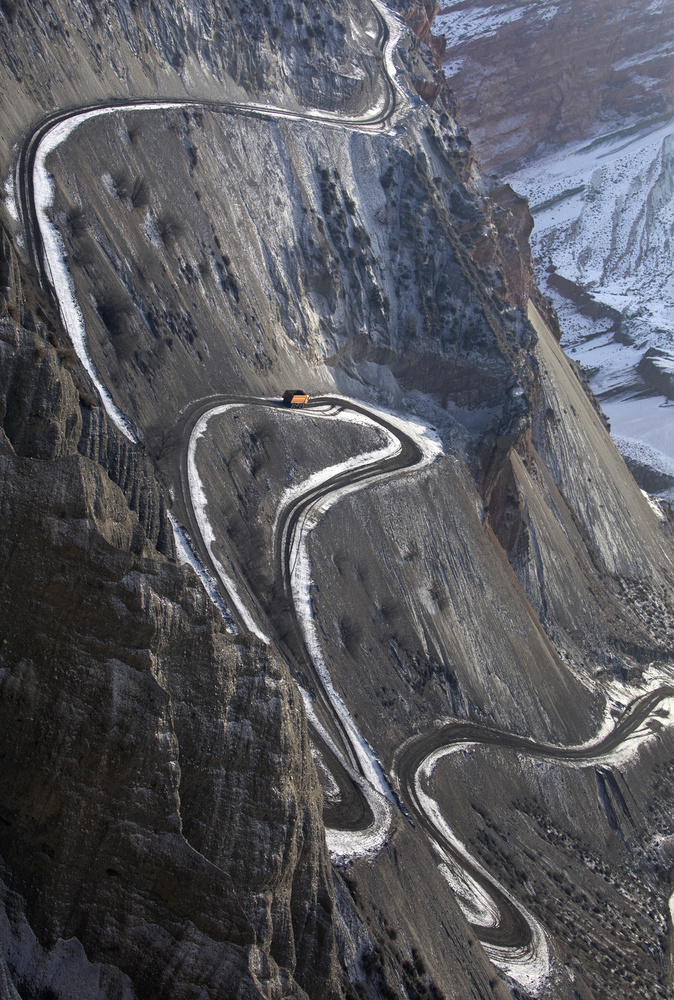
x: 569, y: 70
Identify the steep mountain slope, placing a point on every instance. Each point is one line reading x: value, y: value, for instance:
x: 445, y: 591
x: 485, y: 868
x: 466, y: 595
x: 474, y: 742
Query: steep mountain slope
x: 441, y: 564
x: 603, y: 230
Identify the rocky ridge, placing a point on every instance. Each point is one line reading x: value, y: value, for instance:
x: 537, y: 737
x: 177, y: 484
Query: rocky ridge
x: 569, y: 70
x: 130, y: 759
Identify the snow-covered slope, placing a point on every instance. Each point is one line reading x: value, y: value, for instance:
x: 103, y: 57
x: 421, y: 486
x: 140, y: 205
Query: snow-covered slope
x: 604, y: 215
x: 572, y: 101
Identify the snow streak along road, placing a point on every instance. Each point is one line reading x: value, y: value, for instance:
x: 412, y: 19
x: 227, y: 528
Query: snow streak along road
x: 291, y: 557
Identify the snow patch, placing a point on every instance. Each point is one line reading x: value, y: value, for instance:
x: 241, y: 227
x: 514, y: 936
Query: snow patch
x: 186, y: 556
x: 643, y: 429
x: 347, y: 845
x: 199, y: 505
x: 477, y: 906
x: 331, y: 793
x: 655, y: 507
x: 453, y: 67
x: 10, y: 199
x: 423, y: 434
x: 460, y: 24
x: 619, y: 697
x: 343, y: 844
x: 604, y: 219
x: 55, y: 254
x: 660, y: 717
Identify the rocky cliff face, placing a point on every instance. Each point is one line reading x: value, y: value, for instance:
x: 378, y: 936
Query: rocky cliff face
x: 162, y: 825
x: 138, y: 822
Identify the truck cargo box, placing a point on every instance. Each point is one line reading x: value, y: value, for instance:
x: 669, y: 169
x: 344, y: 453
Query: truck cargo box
x: 295, y: 398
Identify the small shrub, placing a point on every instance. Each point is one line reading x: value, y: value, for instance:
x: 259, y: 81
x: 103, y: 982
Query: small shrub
x: 84, y: 253
x: 140, y: 193
x: 134, y: 131
x: 77, y: 223
x: 115, y: 310
x: 386, y: 178
x: 8, y: 8
x: 170, y: 228
x: 87, y: 399
x: 351, y: 634
x: 68, y: 356
x: 418, y: 962
x: 122, y: 183
x: 125, y: 347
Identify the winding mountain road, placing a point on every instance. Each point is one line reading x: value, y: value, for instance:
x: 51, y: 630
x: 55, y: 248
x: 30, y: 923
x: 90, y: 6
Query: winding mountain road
x: 353, y: 811
x: 513, y: 928
x: 30, y: 150
x: 31, y: 183
x: 415, y: 760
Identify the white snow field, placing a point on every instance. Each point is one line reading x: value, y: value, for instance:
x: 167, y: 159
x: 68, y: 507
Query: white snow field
x: 460, y: 22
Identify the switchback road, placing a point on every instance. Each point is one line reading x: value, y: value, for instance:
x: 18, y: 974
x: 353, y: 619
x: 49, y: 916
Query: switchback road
x: 513, y: 928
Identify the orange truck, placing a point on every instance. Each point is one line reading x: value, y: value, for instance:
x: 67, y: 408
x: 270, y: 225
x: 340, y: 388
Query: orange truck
x: 295, y: 398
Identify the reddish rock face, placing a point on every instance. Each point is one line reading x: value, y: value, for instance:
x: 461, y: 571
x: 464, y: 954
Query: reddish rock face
x: 532, y: 74
x: 420, y: 17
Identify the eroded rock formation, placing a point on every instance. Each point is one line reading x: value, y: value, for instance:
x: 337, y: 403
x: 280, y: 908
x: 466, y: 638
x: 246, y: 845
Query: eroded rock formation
x: 159, y: 804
